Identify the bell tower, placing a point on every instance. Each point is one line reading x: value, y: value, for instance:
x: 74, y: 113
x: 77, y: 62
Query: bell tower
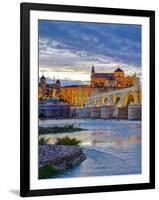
x: 43, y: 81
x: 92, y: 74
x: 58, y: 84
x: 93, y: 70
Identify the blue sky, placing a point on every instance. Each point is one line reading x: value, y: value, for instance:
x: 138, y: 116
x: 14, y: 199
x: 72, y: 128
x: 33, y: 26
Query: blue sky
x: 67, y: 50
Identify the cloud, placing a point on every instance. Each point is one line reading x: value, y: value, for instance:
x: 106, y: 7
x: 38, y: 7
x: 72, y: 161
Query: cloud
x: 55, y: 58
x: 67, y: 82
x: 74, y: 47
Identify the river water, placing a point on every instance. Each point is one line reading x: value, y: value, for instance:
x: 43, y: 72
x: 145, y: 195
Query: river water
x: 112, y: 147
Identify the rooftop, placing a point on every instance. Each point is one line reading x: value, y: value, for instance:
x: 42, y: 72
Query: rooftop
x: 108, y: 76
x: 118, y: 70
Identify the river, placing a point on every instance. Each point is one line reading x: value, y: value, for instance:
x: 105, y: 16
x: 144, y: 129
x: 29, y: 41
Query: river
x: 112, y: 147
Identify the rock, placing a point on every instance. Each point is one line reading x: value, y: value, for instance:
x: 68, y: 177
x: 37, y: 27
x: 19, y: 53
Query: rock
x: 61, y: 156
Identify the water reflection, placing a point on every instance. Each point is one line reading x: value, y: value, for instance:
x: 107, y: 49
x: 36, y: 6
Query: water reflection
x: 111, y: 147
x: 94, y: 137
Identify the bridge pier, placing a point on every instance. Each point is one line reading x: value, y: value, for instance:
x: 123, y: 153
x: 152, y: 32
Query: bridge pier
x: 83, y: 112
x: 95, y: 112
x: 134, y: 112
x: 107, y: 112
x: 122, y: 113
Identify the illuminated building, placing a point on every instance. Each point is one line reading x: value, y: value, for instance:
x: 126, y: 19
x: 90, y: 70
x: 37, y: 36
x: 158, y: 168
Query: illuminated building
x: 77, y: 95
x: 115, y: 80
x: 48, y: 90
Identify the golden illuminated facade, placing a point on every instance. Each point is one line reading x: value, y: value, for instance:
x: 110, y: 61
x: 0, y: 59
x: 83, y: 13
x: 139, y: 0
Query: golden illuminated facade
x: 115, y: 80
x: 48, y: 90
x: 77, y: 95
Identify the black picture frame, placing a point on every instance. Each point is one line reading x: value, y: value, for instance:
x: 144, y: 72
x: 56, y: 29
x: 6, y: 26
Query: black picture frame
x: 25, y: 9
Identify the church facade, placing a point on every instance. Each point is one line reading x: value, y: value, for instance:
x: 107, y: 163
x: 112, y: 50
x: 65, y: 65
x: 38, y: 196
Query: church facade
x: 115, y: 80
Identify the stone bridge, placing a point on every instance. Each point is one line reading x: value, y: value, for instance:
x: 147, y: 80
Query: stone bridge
x: 120, y: 98
x: 119, y: 104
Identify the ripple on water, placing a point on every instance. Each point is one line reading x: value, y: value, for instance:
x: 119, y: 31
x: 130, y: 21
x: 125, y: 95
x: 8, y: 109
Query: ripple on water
x: 112, y: 147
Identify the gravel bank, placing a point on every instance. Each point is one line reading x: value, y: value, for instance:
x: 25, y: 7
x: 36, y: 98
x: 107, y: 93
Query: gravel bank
x: 62, y: 156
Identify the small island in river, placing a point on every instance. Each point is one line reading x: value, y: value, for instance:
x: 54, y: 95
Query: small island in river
x: 60, y: 129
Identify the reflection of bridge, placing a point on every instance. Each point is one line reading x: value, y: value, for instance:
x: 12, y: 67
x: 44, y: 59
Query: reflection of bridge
x: 120, y: 98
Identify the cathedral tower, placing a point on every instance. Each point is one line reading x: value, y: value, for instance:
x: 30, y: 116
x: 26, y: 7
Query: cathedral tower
x: 93, y: 70
x: 43, y: 81
x: 58, y: 84
x: 92, y: 74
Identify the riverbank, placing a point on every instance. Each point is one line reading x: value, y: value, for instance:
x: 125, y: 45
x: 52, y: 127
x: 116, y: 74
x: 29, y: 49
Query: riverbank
x: 60, y: 129
x: 112, y: 147
x: 61, y: 157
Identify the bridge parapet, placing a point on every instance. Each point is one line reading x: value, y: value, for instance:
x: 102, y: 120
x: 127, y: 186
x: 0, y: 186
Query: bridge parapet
x: 120, y: 98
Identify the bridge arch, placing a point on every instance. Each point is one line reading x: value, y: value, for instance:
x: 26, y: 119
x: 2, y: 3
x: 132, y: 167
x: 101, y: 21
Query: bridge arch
x: 117, y: 99
x: 122, y: 97
x: 105, y: 99
x: 130, y: 99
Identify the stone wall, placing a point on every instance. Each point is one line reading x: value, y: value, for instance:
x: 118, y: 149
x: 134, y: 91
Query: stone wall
x: 84, y: 112
x: 107, y: 112
x: 95, y: 112
x: 54, y: 111
x: 72, y: 112
x: 122, y: 113
x: 134, y: 112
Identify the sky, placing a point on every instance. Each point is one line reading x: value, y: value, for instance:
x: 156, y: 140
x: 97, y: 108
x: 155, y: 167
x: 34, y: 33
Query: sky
x: 67, y: 50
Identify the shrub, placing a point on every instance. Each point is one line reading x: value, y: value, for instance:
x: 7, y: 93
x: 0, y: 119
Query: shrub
x: 48, y: 171
x: 41, y: 115
x: 45, y: 141
x: 68, y: 141
x: 60, y: 129
x: 42, y: 141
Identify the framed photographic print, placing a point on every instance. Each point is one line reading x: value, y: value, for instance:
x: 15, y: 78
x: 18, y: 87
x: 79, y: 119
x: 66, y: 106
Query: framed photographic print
x: 87, y: 99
